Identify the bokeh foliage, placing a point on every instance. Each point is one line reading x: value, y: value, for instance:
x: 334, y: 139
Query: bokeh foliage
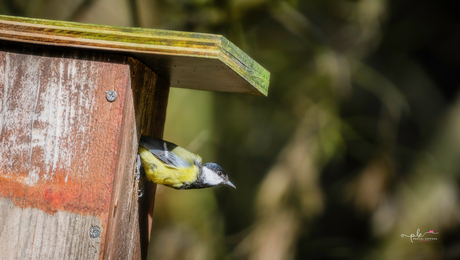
x: 357, y: 143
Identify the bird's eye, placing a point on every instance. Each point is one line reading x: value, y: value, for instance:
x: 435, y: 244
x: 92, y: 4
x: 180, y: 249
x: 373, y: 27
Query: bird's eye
x: 220, y: 173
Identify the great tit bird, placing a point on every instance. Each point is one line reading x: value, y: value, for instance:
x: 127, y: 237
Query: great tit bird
x: 173, y: 166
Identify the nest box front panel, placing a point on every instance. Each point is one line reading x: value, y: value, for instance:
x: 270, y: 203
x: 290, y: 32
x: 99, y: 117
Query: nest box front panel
x: 58, y: 148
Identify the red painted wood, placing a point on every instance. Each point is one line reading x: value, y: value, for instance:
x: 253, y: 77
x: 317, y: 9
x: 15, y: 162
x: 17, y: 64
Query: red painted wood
x: 58, y: 133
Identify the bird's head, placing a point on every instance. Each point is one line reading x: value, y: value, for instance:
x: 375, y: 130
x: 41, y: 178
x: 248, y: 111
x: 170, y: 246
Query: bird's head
x: 214, y: 175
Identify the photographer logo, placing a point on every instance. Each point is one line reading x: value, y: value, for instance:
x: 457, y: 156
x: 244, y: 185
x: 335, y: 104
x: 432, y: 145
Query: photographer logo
x: 421, y: 236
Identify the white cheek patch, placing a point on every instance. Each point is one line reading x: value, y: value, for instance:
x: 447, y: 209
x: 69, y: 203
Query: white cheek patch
x: 211, y: 177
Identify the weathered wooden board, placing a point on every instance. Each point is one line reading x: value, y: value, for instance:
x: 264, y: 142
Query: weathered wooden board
x: 30, y: 233
x: 58, y: 140
x: 144, y: 113
x: 67, y: 154
x: 186, y: 60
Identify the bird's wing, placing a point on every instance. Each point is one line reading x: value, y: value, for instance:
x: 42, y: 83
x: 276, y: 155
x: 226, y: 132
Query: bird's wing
x: 187, y: 156
x: 171, y: 154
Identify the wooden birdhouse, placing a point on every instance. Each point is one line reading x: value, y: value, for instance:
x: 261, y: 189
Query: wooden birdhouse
x: 74, y: 100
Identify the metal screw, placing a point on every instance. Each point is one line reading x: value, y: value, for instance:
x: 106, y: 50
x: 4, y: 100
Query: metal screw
x: 94, y: 231
x: 111, y: 95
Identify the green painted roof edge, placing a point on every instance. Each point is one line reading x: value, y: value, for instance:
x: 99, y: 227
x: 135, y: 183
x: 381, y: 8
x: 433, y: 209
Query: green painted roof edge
x: 144, y: 40
x: 253, y: 72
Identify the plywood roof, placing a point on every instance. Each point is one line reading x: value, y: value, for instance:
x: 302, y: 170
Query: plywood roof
x: 188, y: 60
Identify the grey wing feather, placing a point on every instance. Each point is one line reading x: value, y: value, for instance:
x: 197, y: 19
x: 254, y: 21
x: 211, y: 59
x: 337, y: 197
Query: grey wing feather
x: 163, y: 151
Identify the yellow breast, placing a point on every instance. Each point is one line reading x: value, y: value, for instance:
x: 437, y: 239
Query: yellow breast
x: 158, y: 172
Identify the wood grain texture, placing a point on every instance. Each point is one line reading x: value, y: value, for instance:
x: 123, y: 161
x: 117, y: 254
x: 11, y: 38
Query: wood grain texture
x: 30, y: 233
x: 58, y: 139
x: 67, y: 154
x: 56, y: 131
x: 187, y: 60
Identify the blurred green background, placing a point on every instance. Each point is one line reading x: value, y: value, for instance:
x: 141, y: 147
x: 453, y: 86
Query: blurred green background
x: 357, y: 143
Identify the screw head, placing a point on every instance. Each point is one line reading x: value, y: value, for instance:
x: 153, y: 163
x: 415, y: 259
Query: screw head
x: 94, y: 232
x: 111, y: 95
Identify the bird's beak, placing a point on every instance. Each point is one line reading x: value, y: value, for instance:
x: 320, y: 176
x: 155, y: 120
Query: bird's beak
x: 229, y: 183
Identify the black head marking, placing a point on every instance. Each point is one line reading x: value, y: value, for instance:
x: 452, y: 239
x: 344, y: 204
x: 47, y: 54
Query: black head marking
x: 217, y: 169
x: 201, y: 182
